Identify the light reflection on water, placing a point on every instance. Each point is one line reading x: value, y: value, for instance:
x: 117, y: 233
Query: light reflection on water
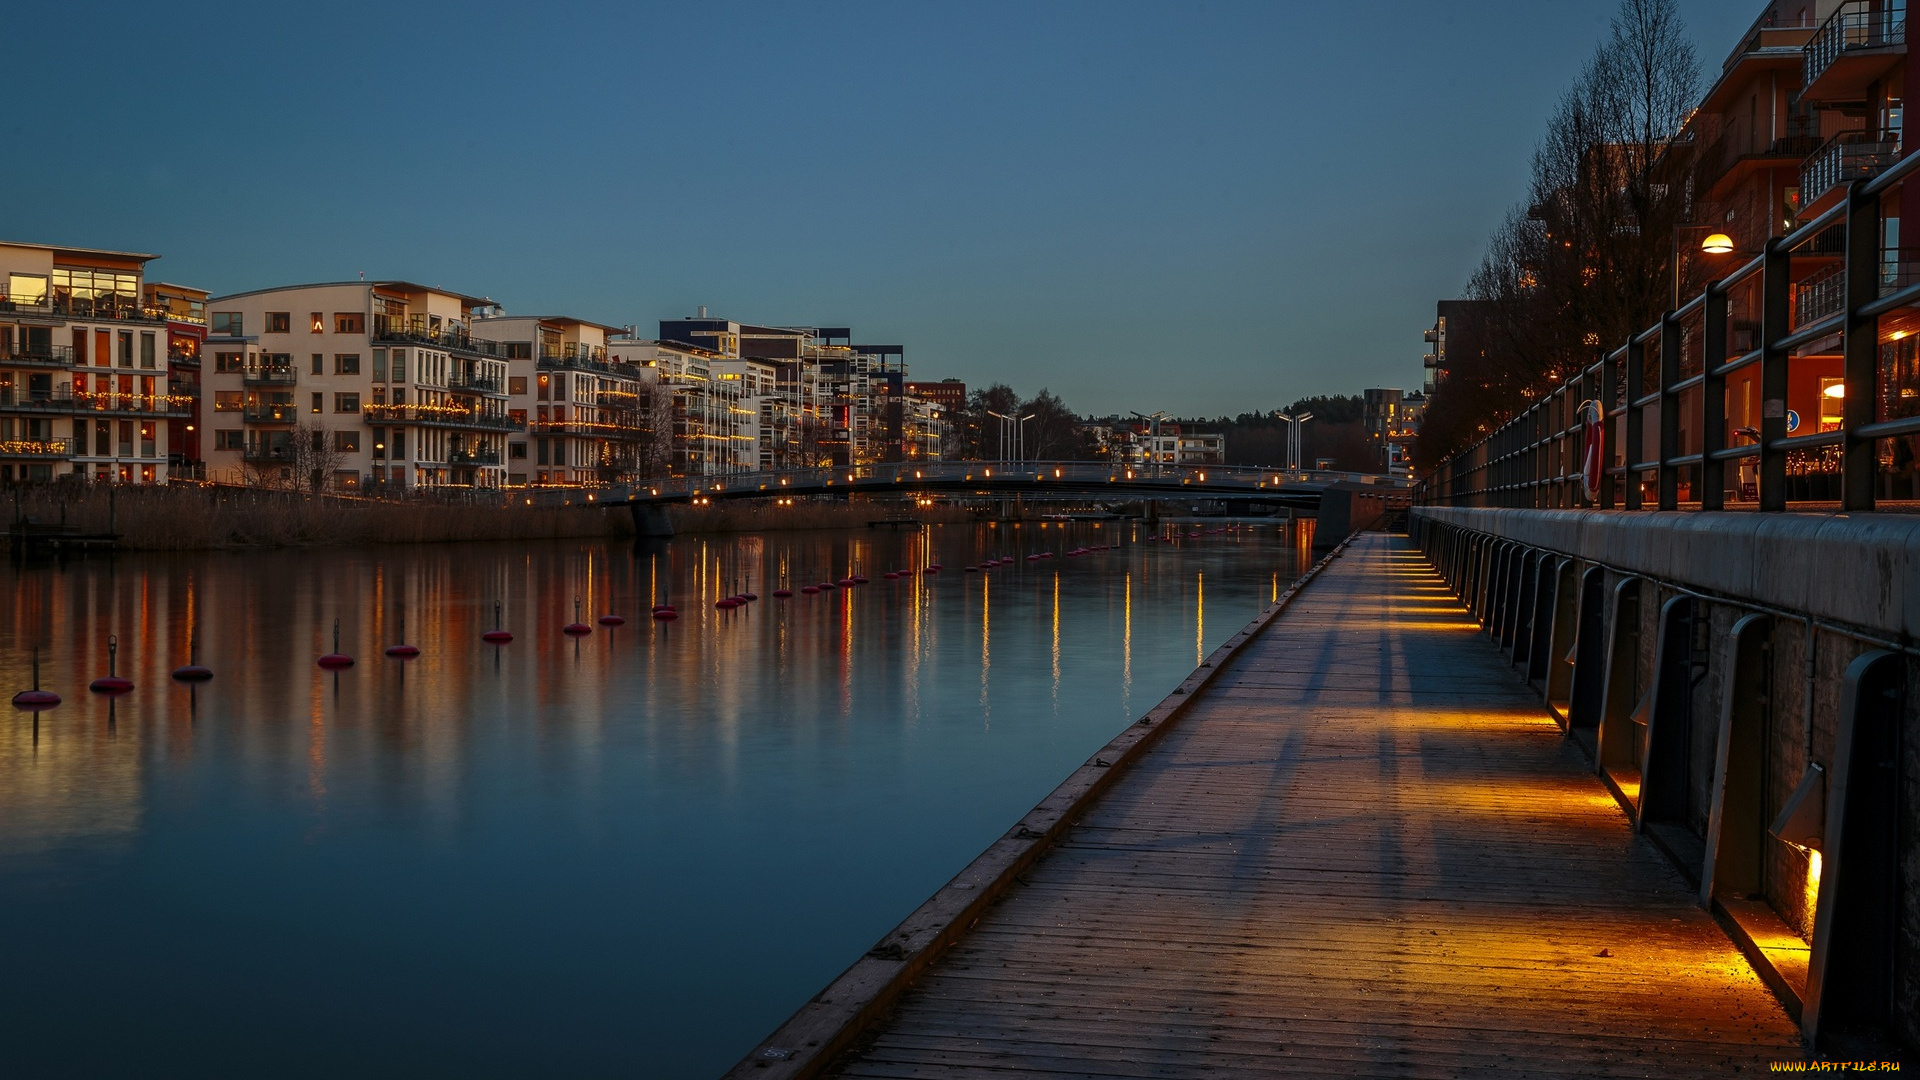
x: 635, y: 851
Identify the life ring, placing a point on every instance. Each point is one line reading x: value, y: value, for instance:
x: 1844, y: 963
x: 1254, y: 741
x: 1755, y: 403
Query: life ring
x: 1592, y: 439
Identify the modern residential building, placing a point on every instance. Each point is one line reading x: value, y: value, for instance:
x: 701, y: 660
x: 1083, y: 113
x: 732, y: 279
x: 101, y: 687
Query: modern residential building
x: 185, y: 311
x: 706, y: 417
x: 351, y: 385
x: 1458, y: 334
x: 583, y: 409
x: 83, y: 382
x: 950, y: 394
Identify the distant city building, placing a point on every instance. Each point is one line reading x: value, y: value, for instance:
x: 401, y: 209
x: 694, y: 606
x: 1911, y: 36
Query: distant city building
x: 357, y: 384
x: 83, y: 383
x: 1458, y: 333
x: 950, y: 394
x: 581, y: 410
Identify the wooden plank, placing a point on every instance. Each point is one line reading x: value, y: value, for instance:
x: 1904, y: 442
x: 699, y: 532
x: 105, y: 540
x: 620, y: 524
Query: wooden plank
x: 1365, y: 851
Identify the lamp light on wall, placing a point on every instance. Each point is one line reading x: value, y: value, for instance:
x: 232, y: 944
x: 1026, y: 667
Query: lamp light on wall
x: 1717, y: 244
x: 1837, y: 390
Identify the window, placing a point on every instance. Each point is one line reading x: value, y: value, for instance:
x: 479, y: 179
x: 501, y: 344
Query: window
x: 229, y: 400
x: 349, y: 322
x: 224, y: 439
x: 226, y: 324
x: 346, y: 403
x: 517, y: 451
x: 519, y: 350
x: 542, y: 381
x: 316, y: 324
x: 229, y: 361
x: 346, y: 442
x: 399, y: 365
x: 279, y: 322
x: 27, y: 288
x: 319, y: 363
x: 126, y: 348
x: 379, y: 395
x: 147, y: 350
x: 517, y: 385
x: 398, y: 448
x: 346, y: 363
x: 319, y: 401
x: 399, y: 395
x: 379, y: 365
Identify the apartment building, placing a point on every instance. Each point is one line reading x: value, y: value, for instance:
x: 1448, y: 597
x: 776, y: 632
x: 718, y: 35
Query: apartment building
x: 767, y: 418
x: 185, y: 310
x: 702, y: 407
x: 583, y: 409
x: 83, y: 379
x: 355, y: 385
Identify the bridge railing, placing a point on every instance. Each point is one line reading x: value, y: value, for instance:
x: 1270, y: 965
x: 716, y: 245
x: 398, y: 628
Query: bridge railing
x: 1198, y: 481
x: 1700, y: 408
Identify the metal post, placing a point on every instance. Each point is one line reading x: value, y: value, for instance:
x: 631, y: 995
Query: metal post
x: 1668, y: 475
x: 1713, y: 398
x: 1635, y: 421
x: 1860, y: 348
x: 1776, y: 295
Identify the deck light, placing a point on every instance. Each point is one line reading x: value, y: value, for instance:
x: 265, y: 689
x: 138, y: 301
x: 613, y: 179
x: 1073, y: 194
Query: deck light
x: 1803, y: 820
x: 1717, y: 244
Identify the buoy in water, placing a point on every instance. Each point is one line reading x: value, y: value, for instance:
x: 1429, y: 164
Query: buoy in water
x: 846, y: 583
x: 859, y: 579
x: 782, y: 594
x: 727, y: 604
x: 403, y: 651
x: 576, y: 628
x: 336, y: 659
x: 891, y: 576
x: 931, y: 570
x: 36, y: 698
x: 496, y: 636
x: 825, y: 585
x: 809, y: 589
x: 666, y: 614
x: 191, y: 671
x: 111, y: 682
x: 612, y: 620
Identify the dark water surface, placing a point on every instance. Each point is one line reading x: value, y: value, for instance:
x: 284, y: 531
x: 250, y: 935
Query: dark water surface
x: 631, y: 854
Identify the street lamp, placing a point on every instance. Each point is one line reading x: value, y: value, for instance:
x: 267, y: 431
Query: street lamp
x: 1294, y: 426
x: 1006, y: 438
x: 1153, y: 457
x: 1020, y: 442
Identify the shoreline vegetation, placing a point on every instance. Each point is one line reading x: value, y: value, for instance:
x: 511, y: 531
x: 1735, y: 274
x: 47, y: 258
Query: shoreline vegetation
x: 194, y: 518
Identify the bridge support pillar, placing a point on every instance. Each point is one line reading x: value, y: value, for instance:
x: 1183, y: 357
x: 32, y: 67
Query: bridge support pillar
x: 650, y: 520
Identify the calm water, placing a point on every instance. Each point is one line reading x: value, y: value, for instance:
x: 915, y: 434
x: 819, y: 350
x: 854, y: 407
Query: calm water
x: 631, y: 854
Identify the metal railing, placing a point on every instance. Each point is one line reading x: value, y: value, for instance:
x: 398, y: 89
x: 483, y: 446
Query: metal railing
x: 1537, y: 458
x: 37, y: 355
x: 64, y: 399
x: 270, y: 376
x: 438, y: 416
x: 415, y: 330
x: 1863, y: 24
x: 1848, y: 156
x: 473, y: 384
x: 270, y: 414
x: 16, y: 449
x: 474, y: 457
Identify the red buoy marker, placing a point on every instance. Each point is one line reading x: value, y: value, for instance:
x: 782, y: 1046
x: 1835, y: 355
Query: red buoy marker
x: 111, y: 682
x: 191, y: 671
x: 576, y: 628
x: 496, y: 636
x: 36, y: 698
x: 612, y: 620
x: 336, y: 659
x: 403, y: 651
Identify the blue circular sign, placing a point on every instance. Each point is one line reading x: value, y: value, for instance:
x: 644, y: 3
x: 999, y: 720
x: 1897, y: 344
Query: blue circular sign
x: 1793, y: 420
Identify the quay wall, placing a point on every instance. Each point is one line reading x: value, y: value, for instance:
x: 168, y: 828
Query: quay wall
x: 1610, y: 589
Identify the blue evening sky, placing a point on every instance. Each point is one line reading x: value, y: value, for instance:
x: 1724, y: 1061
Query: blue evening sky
x: 1203, y: 207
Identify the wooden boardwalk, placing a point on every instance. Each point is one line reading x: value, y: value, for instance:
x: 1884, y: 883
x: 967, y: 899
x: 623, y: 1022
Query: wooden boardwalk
x: 1366, y: 851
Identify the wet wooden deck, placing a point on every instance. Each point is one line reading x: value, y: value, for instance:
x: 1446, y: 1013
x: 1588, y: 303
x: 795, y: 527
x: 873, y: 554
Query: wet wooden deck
x: 1365, y: 851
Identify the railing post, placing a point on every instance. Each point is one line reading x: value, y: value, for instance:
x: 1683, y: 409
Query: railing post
x: 1860, y: 347
x: 1668, y: 475
x: 1608, y: 391
x: 1713, y: 397
x: 1776, y: 296
x: 1634, y: 421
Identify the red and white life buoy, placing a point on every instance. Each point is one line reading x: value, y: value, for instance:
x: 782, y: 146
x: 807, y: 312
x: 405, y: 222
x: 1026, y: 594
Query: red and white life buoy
x: 1592, y: 440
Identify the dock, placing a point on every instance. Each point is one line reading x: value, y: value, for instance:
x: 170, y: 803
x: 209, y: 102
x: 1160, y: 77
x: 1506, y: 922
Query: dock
x: 1360, y: 847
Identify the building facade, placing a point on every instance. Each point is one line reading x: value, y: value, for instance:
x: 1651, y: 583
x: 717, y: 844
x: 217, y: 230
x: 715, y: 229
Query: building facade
x: 83, y: 375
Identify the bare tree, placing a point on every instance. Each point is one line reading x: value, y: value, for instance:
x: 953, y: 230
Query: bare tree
x: 314, y: 456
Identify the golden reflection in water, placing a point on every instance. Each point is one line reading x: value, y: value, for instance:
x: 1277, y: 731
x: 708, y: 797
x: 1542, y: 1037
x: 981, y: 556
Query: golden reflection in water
x: 1126, y: 649
x: 1056, y: 641
x: 986, y: 649
x: 1199, y: 619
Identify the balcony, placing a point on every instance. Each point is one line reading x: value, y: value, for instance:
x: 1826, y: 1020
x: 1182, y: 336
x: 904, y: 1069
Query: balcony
x: 270, y: 414
x: 266, y: 454
x: 1848, y: 156
x: 472, y: 458
x: 35, y: 449
x: 23, y: 355
x: 475, y: 384
x: 90, y: 309
x: 438, y: 416
x: 270, y: 376
x: 63, y: 399
x: 590, y: 428
x: 1732, y: 156
x: 1855, y: 46
x: 415, y: 330
x: 580, y: 358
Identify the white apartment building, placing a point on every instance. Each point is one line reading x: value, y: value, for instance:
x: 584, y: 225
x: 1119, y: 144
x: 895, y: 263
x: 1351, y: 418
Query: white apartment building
x: 766, y: 416
x: 586, y: 412
x: 708, y: 416
x: 353, y: 385
x: 83, y: 376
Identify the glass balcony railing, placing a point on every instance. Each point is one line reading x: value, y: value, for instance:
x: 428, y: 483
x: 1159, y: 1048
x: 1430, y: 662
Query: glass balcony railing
x: 271, y: 376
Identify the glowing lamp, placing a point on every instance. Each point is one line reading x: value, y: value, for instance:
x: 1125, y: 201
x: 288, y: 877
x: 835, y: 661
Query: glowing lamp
x: 1717, y: 244
x: 1803, y: 820
x: 1837, y: 390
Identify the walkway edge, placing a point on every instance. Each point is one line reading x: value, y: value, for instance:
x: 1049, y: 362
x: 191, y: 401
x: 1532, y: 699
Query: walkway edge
x: 808, y: 1042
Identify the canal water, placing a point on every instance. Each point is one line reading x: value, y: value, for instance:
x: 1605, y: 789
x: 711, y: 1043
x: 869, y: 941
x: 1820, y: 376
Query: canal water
x: 631, y: 853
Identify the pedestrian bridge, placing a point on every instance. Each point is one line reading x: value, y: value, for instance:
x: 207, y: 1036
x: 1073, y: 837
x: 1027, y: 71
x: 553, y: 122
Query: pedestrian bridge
x: 1041, y: 479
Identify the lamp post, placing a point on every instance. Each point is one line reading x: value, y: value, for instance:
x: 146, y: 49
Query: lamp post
x: 1006, y: 438
x: 1294, y: 424
x: 1020, y: 440
x: 1153, y: 454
